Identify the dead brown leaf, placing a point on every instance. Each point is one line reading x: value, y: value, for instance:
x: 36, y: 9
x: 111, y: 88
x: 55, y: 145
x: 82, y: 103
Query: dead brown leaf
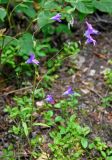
x: 102, y: 56
x: 44, y: 156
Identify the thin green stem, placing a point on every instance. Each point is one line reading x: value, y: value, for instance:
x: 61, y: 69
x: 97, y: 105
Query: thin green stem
x: 10, y: 15
x: 7, y: 6
x: 33, y: 95
x: 1, y: 50
x: 33, y: 103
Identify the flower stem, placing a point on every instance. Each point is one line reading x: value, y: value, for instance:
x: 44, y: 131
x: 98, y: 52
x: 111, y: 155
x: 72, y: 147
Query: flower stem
x: 33, y: 94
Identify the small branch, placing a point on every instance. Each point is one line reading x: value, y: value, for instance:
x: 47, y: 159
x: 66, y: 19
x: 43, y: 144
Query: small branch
x: 92, y: 90
x: 17, y: 90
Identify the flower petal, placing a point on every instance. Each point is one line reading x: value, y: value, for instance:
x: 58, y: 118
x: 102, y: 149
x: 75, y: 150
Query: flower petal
x: 35, y: 61
x: 50, y: 99
x: 56, y: 17
x: 68, y: 92
x: 90, y: 29
x: 90, y: 40
x: 29, y: 61
x: 32, y: 56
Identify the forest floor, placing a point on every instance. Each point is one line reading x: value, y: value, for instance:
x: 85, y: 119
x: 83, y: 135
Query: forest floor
x: 88, y: 80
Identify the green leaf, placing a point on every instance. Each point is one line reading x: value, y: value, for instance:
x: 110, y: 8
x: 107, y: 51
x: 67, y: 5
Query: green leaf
x: 8, y: 41
x: 14, y: 112
x: 51, y: 5
x: 2, y: 14
x: 41, y: 124
x: 41, y: 54
x: 84, y: 7
x: 91, y: 146
x: 58, y: 119
x: 49, y: 113
x: 84, y: 142
x: 103, y: 154
x: 109, y: 158
x: 26, y: 43
x: 44, y: 18
x: 70, y: 1
x: 103, y: 5
x: 26, y: 9
x: 25, y: 128
x: 58, y: 105
x: 15, y: 130
x: 3, y: 1
x: 69, y: 9
x: 86, y: 131
x: 63, y: 28
x: 26, y: 110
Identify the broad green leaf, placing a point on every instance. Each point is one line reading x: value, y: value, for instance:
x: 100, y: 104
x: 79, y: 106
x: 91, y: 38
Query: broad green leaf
x: 70, y: 1
x: 44, y: 19
x: 26, y: 110
x: 91, y: 146
x: 26, y: 9
x: 103, y: 154
x: 40, y: 49
x: 26, y: 43
x: 103, y: 5
x: 8, y: 40
x: 2, y: 14
x: 25, y: 128
x: 58, y: 105
x: 41, y: 54
x: 51, y: 5
x: 109, y: 158
x: 14, y: 112
x: 84, y: 142
x: 69, y: 9
x: 86, y: 131
x: 85, y: 8
x: 3, y: 1
x: 50, y: 113
x: 63, y: 29
x: 15, y: 130
x: 58, y: 119
x: 30, y: 1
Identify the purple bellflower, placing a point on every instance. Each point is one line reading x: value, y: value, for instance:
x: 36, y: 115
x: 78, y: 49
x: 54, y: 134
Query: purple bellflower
x: 68, y: 92
x: 32, y: 59
x: 56, y: 17
x: 50, y: 99
x: 90, y: 30
x: 90, y: 40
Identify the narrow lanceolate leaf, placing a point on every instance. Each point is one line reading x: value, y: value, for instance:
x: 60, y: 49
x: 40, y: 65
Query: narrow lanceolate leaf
x: 40, y: 124
x: 25, y: 128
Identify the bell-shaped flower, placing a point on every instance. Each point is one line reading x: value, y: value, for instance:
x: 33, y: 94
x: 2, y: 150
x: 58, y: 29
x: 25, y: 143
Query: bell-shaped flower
x: 68, y: 92
x: 50, y: 99
x: 90, y: 30
x: 57, y: 17
x: 90, y: 40
x: 32, y: 59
